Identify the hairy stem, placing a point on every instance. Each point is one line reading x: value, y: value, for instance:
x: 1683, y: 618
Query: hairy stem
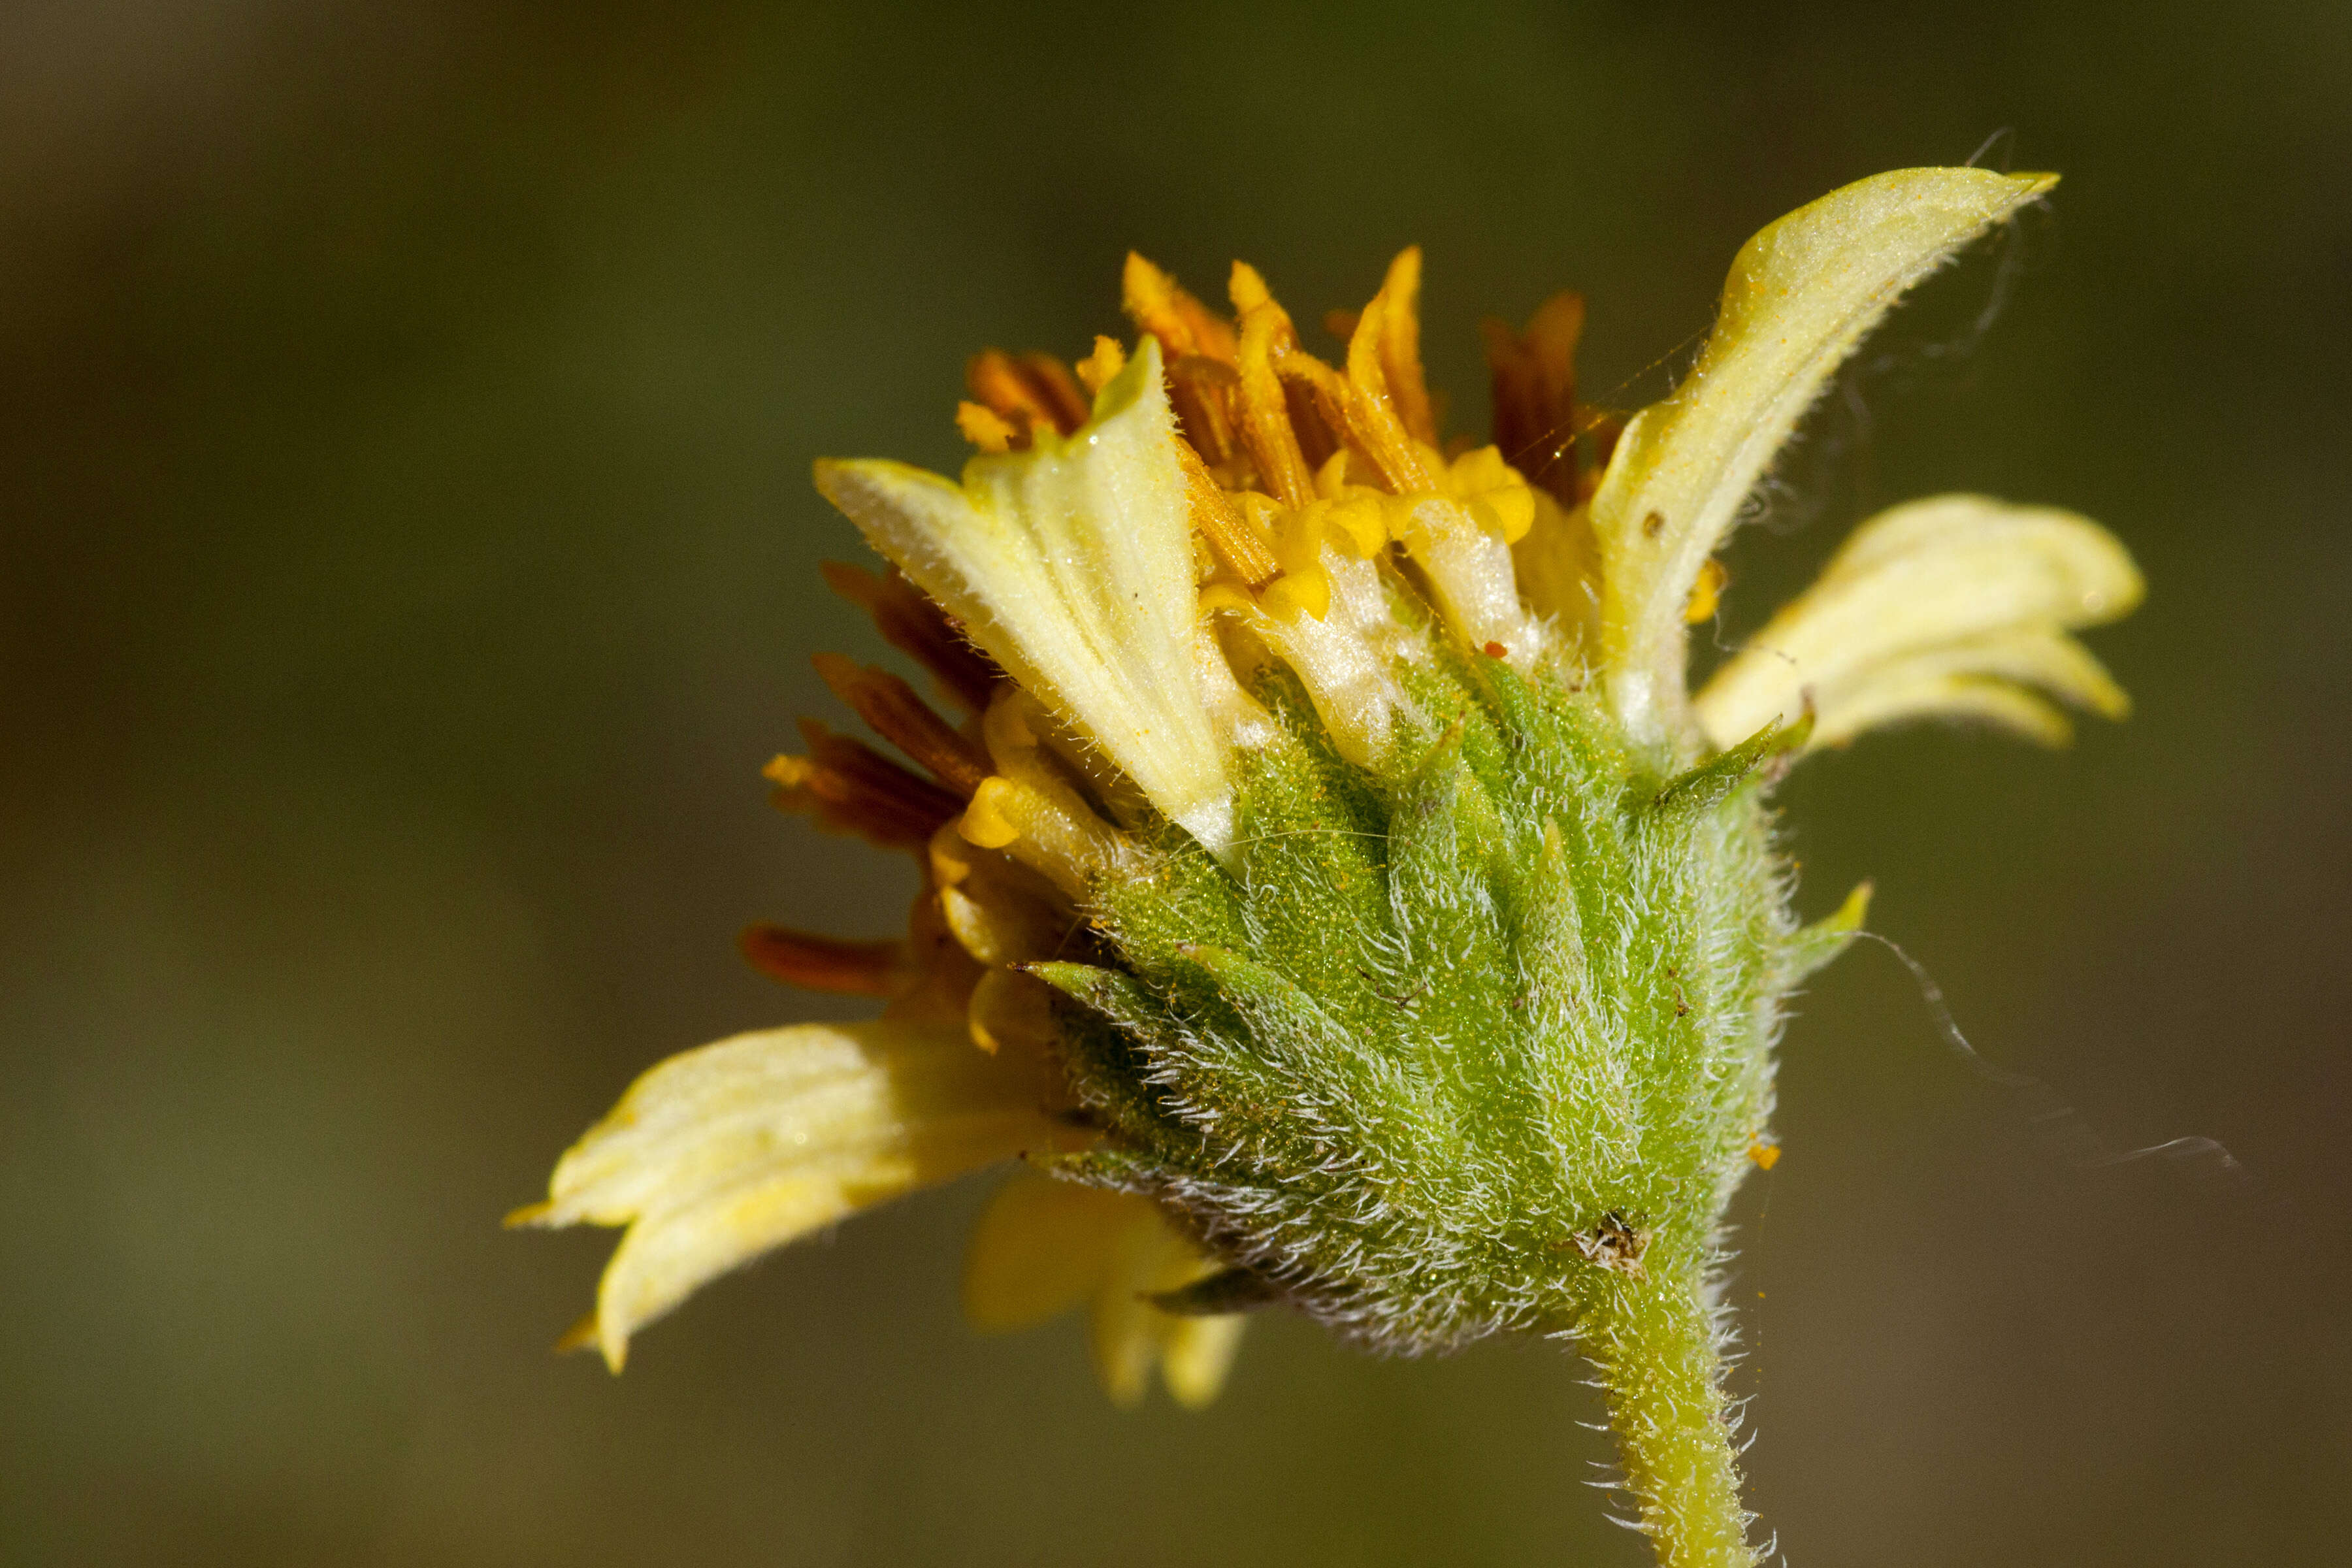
x: 1654, y: 1344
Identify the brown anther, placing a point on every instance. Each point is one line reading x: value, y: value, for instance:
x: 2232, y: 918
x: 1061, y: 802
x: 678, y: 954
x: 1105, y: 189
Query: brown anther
x: 920, y: 629
x: 1034, y: 392
x: 1239, y: 551
x: 1159, y: 305
x: 1534, y: 376
x: 1318, y: 436
x: 896, y: 714
x: 1327, y: 393
x: 849, y: 788
x: 825, y: 964
x: 1058, y: 389
x: 1203, y: 392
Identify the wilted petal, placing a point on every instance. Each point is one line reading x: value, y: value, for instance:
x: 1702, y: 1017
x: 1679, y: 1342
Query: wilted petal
x: 1071, y: 564
x: 719, y: 1154
x: 1954, y: 606
x: 1801, y: 296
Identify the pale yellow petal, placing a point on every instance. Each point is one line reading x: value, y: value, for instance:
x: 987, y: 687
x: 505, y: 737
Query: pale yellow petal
x: 1994, y: 703
x: 1928, y: 605
x: 1129, y: 1334
x: 1800, y: 297
x: 1041, y: 1248
x: 1072, y: 564
x: 719, y: 1154
x: 1127, y: 1330
x: 1921, y: 685
x: 1198, y: 1354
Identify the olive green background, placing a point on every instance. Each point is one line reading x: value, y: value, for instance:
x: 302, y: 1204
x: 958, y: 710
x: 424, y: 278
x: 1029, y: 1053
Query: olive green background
x: 405, y: 415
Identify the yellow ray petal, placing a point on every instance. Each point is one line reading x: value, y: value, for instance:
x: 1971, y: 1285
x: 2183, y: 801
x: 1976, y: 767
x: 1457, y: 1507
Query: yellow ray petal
x: 719, y: 1154
x: 1040, y: 1248
x: 1801, y: 296
x: 1131, y: 1335
x: 1918, y: 685
x: 1994, y: 703
x: 1071, y: 564
x: 1198, y: 1354
x: 1924, y: 608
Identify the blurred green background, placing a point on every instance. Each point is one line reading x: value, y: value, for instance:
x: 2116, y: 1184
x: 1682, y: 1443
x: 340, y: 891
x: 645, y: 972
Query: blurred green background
x: 405, y: 415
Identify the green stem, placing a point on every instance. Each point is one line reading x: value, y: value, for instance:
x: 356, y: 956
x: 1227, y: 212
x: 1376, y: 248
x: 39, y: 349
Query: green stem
x: 1654, y: 1344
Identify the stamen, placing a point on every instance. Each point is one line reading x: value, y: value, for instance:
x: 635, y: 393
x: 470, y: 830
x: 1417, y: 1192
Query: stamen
x: 1238, y: 550
x: 1400, y: 346
x: 1371, y: 412
x: 1310, y: 385
x: 1318, y: 436
x: 1534, y: 393
x: 1035, y: 390
x: 1098, y: 367
x: 1158, y: 305
x: 826, y: 963
x: 1059, y: 389
x: 1266, y: 431
x: 900, y: 717
x: 985, y: 428
x: 1201, y: 391
x: 850, y: 787
x: 918, y: 628
x: 1246, y: 288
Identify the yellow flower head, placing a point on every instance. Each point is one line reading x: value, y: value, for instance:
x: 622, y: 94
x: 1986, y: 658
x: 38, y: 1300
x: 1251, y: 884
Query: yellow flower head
x: 1331, y: 887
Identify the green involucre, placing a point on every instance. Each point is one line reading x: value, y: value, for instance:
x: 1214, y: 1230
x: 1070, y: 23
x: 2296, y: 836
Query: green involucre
x: 1476, y: 1040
